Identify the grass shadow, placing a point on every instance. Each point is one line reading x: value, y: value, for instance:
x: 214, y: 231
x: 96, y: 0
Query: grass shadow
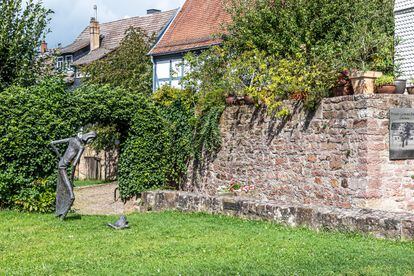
x: 73, y: 217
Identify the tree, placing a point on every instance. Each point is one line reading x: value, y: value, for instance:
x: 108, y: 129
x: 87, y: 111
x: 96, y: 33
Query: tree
x: 294, y: 49
x: 129, y: 66
x: 22, y: 27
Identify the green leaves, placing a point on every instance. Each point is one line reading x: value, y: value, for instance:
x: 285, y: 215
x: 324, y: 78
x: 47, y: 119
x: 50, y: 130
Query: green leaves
x: 31, y: 118
x: 128, y: 66
x: 294, y: 49
x: 159, y: 143
x: 22, y: 27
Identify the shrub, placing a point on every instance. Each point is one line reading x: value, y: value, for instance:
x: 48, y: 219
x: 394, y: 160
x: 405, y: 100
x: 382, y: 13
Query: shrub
x: 31, y: 118
x: 143, y: 160
x: 294, y: 49
x: 159, y: 143
x: 158, y: 136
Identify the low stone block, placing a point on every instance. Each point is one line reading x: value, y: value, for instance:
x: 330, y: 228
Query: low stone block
x: 377, y: 223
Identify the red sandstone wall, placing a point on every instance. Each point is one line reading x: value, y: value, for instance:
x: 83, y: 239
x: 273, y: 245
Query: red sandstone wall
x: 337, y: 156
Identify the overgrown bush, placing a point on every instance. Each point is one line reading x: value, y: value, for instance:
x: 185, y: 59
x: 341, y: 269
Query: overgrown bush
x: 143, y: 161
x: 30, y: 118
x: 294, y: 49
x: 159, y: 144
x: 158, y: 136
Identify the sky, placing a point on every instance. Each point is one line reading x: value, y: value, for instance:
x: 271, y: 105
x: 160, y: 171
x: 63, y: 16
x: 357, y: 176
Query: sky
x: 72, y: 16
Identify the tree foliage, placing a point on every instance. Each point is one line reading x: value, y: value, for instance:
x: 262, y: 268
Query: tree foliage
x: 294, y: 49
x: 128, y: 66
x: 22, y: 27
x: 345, y: 33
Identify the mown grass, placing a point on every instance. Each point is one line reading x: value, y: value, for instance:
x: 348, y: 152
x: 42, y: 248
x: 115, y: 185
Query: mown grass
x: 84, y: 183
x: 189, y: 244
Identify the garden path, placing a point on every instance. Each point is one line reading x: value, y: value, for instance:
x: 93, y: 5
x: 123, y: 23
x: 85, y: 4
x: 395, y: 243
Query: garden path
x: 99, y: 200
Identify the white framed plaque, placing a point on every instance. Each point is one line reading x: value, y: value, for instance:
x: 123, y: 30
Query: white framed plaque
x: 401, y: 133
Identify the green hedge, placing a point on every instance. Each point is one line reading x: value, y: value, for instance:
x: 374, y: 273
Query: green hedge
x: 31, y: 118
x: 158, y: 148
x: 158, y: 136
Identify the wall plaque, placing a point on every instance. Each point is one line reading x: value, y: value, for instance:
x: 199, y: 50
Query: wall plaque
x: 401, y: 133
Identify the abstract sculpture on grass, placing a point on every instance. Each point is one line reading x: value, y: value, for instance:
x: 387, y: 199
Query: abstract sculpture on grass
x: 64, y: 190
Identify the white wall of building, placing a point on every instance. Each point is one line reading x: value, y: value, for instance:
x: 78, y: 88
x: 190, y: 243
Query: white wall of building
x: 404, y: 30
x: 168, y: 72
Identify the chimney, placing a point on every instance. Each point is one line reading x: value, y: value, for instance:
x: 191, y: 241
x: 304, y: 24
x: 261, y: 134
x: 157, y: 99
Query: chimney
x: 43, y: 47
x: 95, y: 32
x: 152, y: 11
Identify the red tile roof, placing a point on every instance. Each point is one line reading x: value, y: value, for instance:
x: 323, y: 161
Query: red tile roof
x: 194, y: 27
x: 113, y: 33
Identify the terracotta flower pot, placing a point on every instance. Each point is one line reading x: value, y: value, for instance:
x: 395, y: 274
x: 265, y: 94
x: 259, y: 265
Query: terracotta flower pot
x: 231, y: 100
x: 363, y: 82
x: 342, y: 90
x: 338, y: 91
x: 248, y: 100
x: 410, y: 90
x: 387, y: 89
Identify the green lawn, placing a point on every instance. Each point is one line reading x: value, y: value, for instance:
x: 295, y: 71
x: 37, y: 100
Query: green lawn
x: 83, y: 183
x: 188, y: 244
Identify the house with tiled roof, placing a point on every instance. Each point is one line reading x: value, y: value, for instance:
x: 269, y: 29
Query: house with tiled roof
x: 98, y: 40
x: 194, y: 28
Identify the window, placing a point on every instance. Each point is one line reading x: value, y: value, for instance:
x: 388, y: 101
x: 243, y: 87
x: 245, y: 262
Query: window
x: 168, y: 72
x: 68, y: 61
x: 59, y: 63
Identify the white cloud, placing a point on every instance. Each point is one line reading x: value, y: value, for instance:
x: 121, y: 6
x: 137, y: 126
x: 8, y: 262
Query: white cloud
x: 72, y: 16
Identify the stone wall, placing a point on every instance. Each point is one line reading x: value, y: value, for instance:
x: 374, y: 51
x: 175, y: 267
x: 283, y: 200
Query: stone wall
x: 337, y: 156
x: 377, y: 223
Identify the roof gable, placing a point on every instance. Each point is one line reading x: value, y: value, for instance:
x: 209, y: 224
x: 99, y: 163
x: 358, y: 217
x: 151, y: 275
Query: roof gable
x: 193, y: 27
x: 113, y: 32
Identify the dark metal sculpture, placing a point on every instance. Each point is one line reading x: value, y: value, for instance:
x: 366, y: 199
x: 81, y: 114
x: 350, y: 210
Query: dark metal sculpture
x: 120, y: 224
x: 64, y: 190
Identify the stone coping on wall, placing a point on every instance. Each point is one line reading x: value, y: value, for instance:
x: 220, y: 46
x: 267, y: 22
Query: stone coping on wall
x: 379, y: 224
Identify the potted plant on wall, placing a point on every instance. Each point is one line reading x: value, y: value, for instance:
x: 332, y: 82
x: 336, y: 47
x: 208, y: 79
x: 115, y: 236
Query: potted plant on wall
x: 366, y: 57
x: 385, y: 85
x: 343, y: 85
x: 400, y: 83
x: 231, y: 99
x: 410, y: 89
x: 363, y: 82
